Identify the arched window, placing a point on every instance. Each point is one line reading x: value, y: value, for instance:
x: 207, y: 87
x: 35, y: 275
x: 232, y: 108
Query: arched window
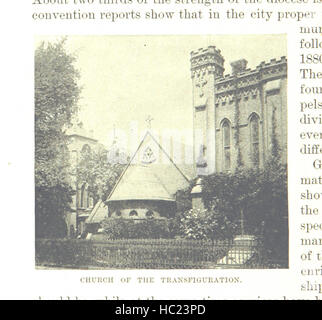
x: 133, y: 213
x: 84, y: 196
x: 149, y: 214
x: 226, y: 144
x: 254, y: 138
x: 86, y: 149
x: 86, y: 153
x: 118, y: 213
x: 88, y: 197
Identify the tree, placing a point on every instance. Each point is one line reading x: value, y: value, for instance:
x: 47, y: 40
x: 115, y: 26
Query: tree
x: 56, y: 97
x: 261, y: 194
x: 275, y: 200
x: 95, y: 170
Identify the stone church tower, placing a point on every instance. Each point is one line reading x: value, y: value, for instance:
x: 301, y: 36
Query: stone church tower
x: 237, y: 116
x: 206, y: 66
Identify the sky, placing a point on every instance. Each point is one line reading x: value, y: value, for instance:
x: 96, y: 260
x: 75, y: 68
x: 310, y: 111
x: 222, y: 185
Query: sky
x: 125, y: 79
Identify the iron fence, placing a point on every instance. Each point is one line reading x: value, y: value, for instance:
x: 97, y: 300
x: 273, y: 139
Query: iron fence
x: 149, y: 253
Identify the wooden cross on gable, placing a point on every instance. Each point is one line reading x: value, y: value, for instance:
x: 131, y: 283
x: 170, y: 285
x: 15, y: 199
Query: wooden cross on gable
x: 148, y: 120
x: 200, y: 83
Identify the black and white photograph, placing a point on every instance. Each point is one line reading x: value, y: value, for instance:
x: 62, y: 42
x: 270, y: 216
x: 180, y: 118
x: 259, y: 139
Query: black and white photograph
x: 161, y: 152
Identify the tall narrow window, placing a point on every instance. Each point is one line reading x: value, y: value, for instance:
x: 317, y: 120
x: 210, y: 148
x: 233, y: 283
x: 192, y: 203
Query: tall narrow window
x: 88, y: 198
x: 226, y: 145
x: 82, y: 196
x: 86, y: 149
x: 254, y: 139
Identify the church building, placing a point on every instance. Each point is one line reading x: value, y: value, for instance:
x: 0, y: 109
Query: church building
x: 235, y: 119
x: 236, y: 115
x: 147, y: 186
x: 80, y: 141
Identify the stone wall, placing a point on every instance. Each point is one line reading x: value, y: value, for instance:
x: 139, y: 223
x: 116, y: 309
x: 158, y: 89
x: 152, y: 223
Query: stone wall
x: 236, y: 98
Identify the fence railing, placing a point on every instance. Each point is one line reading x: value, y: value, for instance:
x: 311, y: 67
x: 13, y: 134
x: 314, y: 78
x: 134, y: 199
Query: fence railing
x: 148, y: 253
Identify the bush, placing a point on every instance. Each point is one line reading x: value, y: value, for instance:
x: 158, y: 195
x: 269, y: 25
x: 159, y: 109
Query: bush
x: 129, y: 253
x: 117, y: 228
x: 206, y: 224
x: 63, y: 252
x: 261, y: 194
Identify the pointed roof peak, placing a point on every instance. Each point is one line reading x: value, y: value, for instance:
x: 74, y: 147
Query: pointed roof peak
x: 145, y: 178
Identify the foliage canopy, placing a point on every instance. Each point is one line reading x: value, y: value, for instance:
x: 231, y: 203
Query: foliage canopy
x: 100, y: 174
x: 118, y: 228
x: 256, y: 196
x: 56, y: 97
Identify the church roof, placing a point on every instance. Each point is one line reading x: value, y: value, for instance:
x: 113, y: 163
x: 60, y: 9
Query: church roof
x: 150, y: 175
x: 80, y: 131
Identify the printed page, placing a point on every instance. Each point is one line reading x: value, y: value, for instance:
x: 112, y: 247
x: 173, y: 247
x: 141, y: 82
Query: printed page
x: 162, y: 149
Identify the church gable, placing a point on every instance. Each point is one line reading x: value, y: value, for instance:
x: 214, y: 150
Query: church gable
x: 150, y: 175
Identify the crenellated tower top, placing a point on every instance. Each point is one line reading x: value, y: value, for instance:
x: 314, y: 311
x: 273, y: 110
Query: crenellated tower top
x: 207, y: 59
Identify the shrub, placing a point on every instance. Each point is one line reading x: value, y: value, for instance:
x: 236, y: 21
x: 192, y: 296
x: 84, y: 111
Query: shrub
x: 130, y: 253
x: 261, y: 194
x: 206, y: 224
x: 63, y: 252
x: 136, y: 229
